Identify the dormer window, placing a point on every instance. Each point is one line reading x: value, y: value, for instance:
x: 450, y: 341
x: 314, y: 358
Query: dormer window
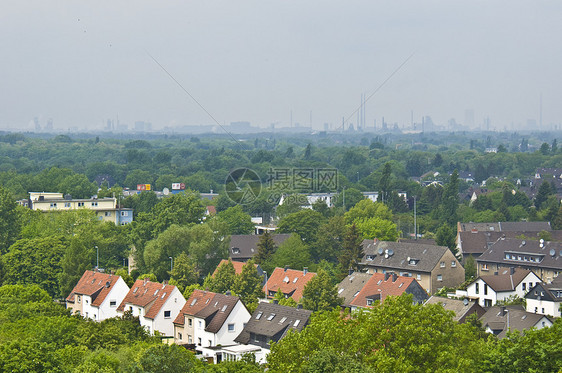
x: 286, y: 279
x: 235, y: 250
x: 370, y: 257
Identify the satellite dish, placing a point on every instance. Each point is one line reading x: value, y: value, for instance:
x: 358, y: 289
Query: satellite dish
x: 552, y: 252
x: 386, y: 256
x: 541, y: 240
x: 560, y: 253
x: 390, y: 252
x: 381, y: 251
x: 166, y: 191
x: 386, y: 251
x: 408, y: 259
x: 465, y: 302
x: 541, y: 245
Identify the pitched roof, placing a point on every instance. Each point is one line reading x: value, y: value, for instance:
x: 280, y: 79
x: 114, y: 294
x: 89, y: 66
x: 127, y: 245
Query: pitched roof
x: 378, y: 288
x: 95, y: 284
x: 237, y: 266
x: 290, y: 281
x: 149, y: 295
x: 426, y: 256
x: 506, y: 226
x: 549, y: 292
x: 273, y: 319
x: 245, y: 246
x: 459, y: 307
x: 505, y: 281
x: 213, y: 307
x: 528, y: 253
x: 514, y: 316
x: 350, y: 286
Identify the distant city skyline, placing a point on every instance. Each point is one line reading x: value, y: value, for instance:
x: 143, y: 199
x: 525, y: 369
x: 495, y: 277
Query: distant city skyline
x: 487, y: 65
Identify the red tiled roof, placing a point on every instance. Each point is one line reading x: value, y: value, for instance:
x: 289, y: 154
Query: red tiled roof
x: 95, y: 284
x: 212, y: 210
x: 149, y: 295
x: 378, y: 287
x: 290, y: 281
x: 213, y: 307
x: 237, y: 266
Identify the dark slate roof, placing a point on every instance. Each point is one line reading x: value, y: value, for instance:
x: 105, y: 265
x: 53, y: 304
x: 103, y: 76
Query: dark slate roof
x: 550, y: 292
x: 247, y: 244
x: 458, y: 306
x: 285, y: 319
x: 425, y: 241
x: 519, y: 319
x: 476, y: 242
x: 505, y: 281
x: 427, y: 256
x: 524, y: 249
x: 350, y: 286
x: 214, y: 308
x: 506, y: 226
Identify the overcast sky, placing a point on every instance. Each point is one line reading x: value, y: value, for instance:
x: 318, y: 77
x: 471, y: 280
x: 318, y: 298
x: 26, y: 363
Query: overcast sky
x: 257, y: 61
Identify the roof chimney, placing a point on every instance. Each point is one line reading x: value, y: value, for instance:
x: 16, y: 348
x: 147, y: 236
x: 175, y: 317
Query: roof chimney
x: 375, y: 240
x: 286, y: 268
x: 275, y: 301
x: 145, y: 281
x: 503, y: 311
x: 512, y: 270
x: 474, y: 230
x: 350, y: 272
x: 228, y: 292
x: 305, y: 271
x: 299, y: 306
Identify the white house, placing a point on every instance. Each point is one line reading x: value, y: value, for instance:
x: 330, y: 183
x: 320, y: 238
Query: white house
x: 156, y: 305
x: 545, y: 299
x: 209, y: 319
x: 97, y: 295
x: 511, y: 282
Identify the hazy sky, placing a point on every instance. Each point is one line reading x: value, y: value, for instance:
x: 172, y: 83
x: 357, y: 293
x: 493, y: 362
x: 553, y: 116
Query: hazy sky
x: 81, y: 63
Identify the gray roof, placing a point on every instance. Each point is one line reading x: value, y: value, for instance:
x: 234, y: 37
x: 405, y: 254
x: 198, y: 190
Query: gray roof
x: 351, y: 286
x: 426, y: 256
x: 285, y: 319
x: 457, y: 306
x: 476, y: 242
x: 505, y: 281
x: 527, y: 253
x: 549, y: 292
x: 507, y: 226
x: 245, y: 246
x: 515, y: 316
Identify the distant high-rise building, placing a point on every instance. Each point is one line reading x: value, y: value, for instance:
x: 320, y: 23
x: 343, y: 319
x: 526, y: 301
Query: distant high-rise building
x: 37, y: 125
x: 469, y: 118
x: 49, y: 126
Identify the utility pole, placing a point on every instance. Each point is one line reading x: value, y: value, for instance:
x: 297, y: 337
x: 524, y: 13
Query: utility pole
x: 171, y: 263
x: 415, y: 222
x: 97, y: 257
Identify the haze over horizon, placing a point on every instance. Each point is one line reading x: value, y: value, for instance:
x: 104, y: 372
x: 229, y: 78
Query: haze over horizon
x: 260, y: 61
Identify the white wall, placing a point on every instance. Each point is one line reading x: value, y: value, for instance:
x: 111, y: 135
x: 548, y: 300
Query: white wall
x: 471, y: 290
x: 117, y: 293
x: 174, y: 304
x: 238, y: 317
x: 537, y: 306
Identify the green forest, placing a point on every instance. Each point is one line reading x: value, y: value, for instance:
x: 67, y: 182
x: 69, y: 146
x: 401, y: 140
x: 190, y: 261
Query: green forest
x: 43, y: 255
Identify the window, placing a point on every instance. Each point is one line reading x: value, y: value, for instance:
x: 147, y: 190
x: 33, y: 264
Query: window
x: 270, y: 317
x: 341, y: 290
x: 439, y: 278
x: 210, y: 343
x: 485, y: 289
x: 79, y: 299
x: 542, y: 310
x: 112, y: 303
x: 295, y: 280
x: 156, y: 292
x: 369, y: 302
x: 477, y: 288
x: 224, y: 308
x: 199, y: 341
x: 108, y: 213
x: 418, y: 277
x: 200, y: 324
x: 95, y: 204
x: 442, y: 265
x: 179, y: 336
x: 167, y: 314
x: 297, y: 322
x: 258, y: 316
x: 484, y: 267
x: 80, y: 204
x: 453, y: 264
x: 230, y: 327
x: 67, y: 204
x: 53, y: 205
x: 190, y: 322
x: 283, y: 319
x: 124, y: 213
x: 524, y: 285
x: 370, y: 257
x: 189, y: 339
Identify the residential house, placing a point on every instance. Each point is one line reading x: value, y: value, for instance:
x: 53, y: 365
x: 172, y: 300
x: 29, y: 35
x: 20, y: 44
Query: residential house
x: 156, y: 305
x: 432, y: 266
x: 106, y: 209
x: 291, y: 282
x: 498, y: 320
x: 350, y: 286
x: 545, y: 299
x: 97, y: 295
x: 505, y: 226
x: 510, y: 283
x: 243, y: 247
x: 462, y: 308
x: 270, y: 323
x: 209, y: 319
x: 380, y: 286
x: 543, y: 258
